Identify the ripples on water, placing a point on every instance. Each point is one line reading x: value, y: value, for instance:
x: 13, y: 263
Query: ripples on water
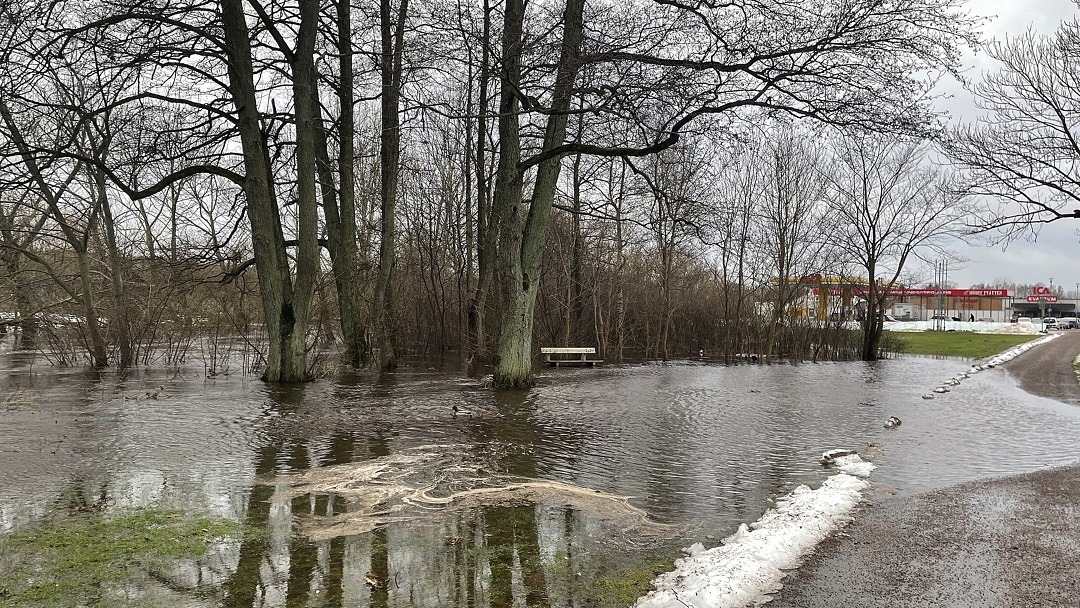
x: 703, y: 447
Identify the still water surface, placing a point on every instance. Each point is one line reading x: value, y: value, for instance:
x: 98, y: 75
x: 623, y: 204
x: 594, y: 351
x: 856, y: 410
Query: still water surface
x: 699, y: 448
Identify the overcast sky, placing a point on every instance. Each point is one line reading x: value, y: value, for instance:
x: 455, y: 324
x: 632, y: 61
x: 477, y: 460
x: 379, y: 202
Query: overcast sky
x: 1056, y: 252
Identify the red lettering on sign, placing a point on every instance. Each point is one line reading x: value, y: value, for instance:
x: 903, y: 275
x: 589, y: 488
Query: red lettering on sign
x: 1040, y: 290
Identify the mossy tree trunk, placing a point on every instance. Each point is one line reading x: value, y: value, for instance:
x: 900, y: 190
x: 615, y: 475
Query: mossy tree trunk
x: 339, y: 196
x: 286, y: 307
x: 521, y: 237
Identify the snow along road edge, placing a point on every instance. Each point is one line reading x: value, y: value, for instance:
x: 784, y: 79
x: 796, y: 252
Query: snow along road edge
x: 749, y: 565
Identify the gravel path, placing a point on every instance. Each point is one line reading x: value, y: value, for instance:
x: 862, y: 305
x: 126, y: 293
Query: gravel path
x: 1008, y: 543
x: 1047, y: 370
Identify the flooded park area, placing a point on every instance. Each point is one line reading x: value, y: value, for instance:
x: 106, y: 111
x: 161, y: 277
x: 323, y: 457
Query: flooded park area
x: 370, y: 490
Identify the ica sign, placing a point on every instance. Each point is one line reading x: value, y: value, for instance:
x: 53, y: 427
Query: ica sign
x: 1041, y: 293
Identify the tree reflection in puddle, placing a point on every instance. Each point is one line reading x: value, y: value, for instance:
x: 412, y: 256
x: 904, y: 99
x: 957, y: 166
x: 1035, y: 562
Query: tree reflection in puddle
x: 435, y: 525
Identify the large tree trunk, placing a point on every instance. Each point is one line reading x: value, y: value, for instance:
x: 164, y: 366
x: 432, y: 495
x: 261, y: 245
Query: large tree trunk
x: 99, y: 355
x: 286, y: 329
x: 521, y: 239
x: 339, y: 200
x: 873, y: 328
x: 513, y: 366
x: 307, y: 250
x: 382, y: 311
x: 119, y: 321
x: 486, y: 229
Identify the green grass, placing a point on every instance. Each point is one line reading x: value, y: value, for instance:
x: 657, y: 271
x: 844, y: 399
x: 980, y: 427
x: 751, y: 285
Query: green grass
x: 82, y: 556
x: 958, y: 344
x: 623, y: 588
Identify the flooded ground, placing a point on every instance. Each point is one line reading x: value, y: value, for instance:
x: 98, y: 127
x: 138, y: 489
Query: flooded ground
x: 373, y: 493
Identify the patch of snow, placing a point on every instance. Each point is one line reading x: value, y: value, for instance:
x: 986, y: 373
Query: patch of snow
x: 980, y: 327
x: 991, y: 363
x: 748, y: 567
x: 1014, y: 352
x: 853, y: 465
x: 847, y: 461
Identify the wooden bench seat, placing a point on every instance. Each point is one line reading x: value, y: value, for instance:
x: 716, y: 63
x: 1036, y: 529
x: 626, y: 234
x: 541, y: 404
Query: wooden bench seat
x: 555, y: 356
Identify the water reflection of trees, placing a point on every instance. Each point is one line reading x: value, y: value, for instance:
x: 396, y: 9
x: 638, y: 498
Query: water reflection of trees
x: 489, y: 556
x: 484, y: 556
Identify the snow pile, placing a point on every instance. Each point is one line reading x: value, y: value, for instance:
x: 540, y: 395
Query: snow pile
x: 979, y: 327
x: 750, y: 563
x: 1015, y: 352
x: 848, y: 461
x: 1017, y: 328
x: 998, y: 359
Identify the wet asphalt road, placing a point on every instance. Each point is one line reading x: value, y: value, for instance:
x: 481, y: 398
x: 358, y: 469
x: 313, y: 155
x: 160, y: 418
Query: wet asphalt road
x: 1012, y: 542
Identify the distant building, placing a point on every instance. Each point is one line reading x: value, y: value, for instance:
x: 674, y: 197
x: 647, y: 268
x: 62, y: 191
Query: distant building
x: 964, y: 304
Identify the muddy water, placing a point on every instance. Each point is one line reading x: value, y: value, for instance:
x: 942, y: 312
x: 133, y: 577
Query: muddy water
x: 698, y: 448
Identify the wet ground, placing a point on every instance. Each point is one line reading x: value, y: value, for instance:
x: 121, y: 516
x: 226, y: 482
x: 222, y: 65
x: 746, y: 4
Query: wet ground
x: 1007, y: 542
x: 697, y: 448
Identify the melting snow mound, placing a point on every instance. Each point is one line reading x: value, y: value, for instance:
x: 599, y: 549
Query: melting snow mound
x: 748, y: 567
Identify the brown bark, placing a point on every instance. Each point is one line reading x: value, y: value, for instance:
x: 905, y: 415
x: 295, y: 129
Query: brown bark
x: 286, y: 330
x: 382, y: 312
x: 339, y: 210
x: 486, y: 228
x: 521, y: 239
x: 119, y: 321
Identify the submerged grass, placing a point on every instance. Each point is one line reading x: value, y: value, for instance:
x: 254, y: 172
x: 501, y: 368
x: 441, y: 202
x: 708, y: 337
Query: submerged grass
x: 958, y: 344
x: 624, y: 587
x: 75, y: 559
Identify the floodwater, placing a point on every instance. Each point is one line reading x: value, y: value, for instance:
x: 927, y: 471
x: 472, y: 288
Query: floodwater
x: 373, y: 493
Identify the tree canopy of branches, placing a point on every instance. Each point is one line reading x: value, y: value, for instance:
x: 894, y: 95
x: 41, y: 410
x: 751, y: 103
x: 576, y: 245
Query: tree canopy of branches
x: 465, y: 112
x: 888, y: 208
x: 1023, y: 156
x: 663, y: 66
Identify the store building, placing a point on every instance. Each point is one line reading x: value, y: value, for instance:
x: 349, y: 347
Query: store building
x: 963, y: 304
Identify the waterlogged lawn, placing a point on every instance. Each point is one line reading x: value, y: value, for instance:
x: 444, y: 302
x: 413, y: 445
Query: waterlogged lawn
x: 75, y: 559
x: 957, y: 344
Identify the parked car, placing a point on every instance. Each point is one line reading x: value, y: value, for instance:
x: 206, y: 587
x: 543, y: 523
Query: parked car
x: 1049, y: 322
x: 1068, y: 323
x: 1024, y: 320
x: 940, y: 318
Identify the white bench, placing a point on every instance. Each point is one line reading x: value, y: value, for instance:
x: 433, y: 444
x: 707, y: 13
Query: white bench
x: 569, y: 355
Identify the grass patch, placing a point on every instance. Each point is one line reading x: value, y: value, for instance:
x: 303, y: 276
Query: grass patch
x: 623, y: 588
x: 78, y: 558
x: 958, y: 344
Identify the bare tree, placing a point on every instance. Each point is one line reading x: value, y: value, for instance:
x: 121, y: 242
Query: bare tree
x: 678, y: 184
x: 272, y: 153
x: 793, y: 223
x: 888, y: 208
x: 1022, y: 156
x: 392, y: 33
x: 850, y: 63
